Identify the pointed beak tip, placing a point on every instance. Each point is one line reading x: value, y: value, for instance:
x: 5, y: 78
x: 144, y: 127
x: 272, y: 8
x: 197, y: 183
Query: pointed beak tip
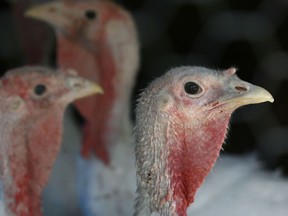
x: 264, y: 97
x: 255, y: 95
x: 271, y: 100
x: 267, y: 97
x: 98, y: 89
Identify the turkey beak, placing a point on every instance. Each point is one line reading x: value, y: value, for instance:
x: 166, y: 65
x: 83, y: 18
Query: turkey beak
x: 54, y: 13
x: 79, y: 87
x: 242, y: 93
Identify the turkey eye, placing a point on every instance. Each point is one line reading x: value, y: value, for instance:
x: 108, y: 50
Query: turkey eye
x: 40, y: 89
x: 90, y: 14
x: 192, y: 88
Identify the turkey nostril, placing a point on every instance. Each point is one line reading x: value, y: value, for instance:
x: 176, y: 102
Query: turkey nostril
x: 241, y: 88
x: 77, y: 85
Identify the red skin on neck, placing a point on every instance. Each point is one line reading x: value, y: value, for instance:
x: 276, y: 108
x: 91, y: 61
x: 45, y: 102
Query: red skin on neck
x: 189, y: 167
x: 95, y: 109
x: 99, y: 65
x: 32, y: 150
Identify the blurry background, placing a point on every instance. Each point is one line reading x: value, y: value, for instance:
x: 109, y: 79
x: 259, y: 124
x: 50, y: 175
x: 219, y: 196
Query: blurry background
x: 251, y: 35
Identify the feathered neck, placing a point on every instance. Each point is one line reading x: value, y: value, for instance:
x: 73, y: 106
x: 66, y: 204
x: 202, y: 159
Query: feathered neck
x: 173, y: 158
x: 113, y: 64
x: 193, y: 151
x: 30, y: 148
x: 99, y: 66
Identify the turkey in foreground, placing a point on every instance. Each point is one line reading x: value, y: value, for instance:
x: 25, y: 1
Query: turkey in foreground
x: 181, y: 123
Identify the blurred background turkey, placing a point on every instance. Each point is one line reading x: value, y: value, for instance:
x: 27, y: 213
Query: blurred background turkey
x: 249, y: 34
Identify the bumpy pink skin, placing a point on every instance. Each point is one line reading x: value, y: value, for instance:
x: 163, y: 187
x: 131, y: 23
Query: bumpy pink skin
x: 33, y: 148
x: 88, y: 47
x: 30, y: 135
x: 193, y: 162
x: 179, y: 136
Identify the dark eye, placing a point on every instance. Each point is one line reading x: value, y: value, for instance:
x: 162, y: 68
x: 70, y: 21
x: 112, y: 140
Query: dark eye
x: 40, y: 89
x: 90, y: 14
x: 192, y: 88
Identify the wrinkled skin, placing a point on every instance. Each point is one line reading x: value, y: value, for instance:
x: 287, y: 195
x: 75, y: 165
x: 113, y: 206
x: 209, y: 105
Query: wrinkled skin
x: 33, y: 100
x: 180, y: 128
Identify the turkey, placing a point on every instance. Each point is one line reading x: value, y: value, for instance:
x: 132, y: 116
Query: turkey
x: 181, y: 123
x: 33, y: 100
x: 99, y: 39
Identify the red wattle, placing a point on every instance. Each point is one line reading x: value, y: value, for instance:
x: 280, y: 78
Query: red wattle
x: 192, y: 156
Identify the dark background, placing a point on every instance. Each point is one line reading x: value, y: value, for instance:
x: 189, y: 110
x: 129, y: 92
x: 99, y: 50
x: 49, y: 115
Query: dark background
x: 251, y: 35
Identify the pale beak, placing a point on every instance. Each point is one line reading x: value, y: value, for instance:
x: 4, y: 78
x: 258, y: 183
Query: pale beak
x: 242, y: 93
x: 55, y: 13
x: 80, y: 87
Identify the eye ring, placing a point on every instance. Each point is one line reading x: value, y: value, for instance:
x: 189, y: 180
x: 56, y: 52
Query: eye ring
x: 40, y: 89
x: 90, y: 14
x: 192, y: 88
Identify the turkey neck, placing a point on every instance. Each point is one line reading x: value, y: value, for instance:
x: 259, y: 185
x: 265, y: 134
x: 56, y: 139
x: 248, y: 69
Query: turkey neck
x: 96, y: 64
x: 173, y: 157
x: 193, y: 151
x: 31, y: 147
x: 107, y: 65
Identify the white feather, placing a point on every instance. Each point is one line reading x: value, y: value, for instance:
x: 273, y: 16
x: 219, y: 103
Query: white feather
x: 109, y: 190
